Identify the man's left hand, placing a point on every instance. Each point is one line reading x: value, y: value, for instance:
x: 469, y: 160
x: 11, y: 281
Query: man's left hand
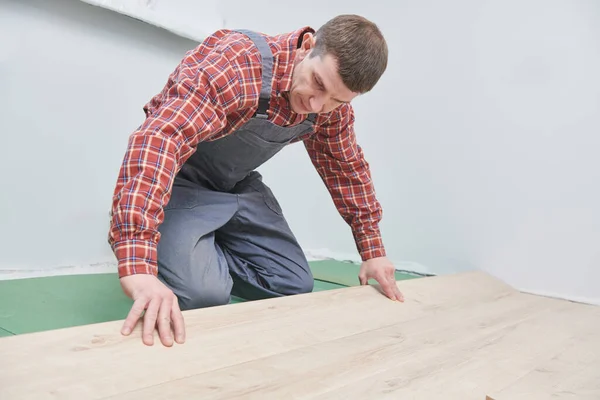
x: 383, y: 271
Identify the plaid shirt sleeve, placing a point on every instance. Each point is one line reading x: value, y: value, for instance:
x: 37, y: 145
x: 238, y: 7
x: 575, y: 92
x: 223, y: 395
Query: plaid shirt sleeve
x: 206, y: 86
x: 340, y: 162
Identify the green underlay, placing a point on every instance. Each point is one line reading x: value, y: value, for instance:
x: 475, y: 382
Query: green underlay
x: 5, y: 333
x: 39, y: 304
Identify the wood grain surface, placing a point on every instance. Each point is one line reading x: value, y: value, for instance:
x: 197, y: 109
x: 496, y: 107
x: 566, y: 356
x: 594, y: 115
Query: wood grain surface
x: 463, y: 336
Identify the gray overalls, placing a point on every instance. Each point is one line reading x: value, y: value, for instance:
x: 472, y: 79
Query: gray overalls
x: 224, y: 232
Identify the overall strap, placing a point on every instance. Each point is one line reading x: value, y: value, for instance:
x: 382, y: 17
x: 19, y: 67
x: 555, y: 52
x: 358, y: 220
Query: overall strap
x: 267, y: 74
x: 267, y: 70
x: 311, y: 118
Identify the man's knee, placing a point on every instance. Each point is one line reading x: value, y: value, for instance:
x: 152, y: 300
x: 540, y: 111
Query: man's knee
x: 306, y: 284
x: 192, y: 266
x: 199, y: 278
x: 195, y: 295
x: 300, y: 281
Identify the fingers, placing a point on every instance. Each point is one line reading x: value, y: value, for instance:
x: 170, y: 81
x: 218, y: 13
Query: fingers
x: 133, y: 317
x: 363, y: 279
x: 400, y: 296
x: 159, y: 307
x: 394, y: 287
x: 162, y: 314
x: 164, y: 321
x: 384, y: 272
x: 387, y: 287
x: 178, y: 322
x: 387, y: 283
x: 150, y: 318
x: 397, y: 292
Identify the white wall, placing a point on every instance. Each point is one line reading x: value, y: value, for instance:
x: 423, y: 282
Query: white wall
x: 481, y: 136
x: 73, y: 80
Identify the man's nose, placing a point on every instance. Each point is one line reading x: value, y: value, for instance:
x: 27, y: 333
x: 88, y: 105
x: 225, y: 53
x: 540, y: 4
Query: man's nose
x: 317, y: 103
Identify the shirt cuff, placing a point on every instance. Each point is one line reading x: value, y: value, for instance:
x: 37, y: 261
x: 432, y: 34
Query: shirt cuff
x: 136, y: 257
x: 370, y: 246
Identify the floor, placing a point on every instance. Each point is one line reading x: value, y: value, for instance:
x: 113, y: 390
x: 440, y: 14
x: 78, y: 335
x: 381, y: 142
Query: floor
x: 464, y: 336
x: 38, y: 304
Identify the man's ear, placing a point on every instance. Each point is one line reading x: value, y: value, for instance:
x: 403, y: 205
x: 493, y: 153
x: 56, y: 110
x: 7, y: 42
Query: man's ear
x: 308, y: 41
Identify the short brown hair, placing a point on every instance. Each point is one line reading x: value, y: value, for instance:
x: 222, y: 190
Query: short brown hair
x: 359, y: 48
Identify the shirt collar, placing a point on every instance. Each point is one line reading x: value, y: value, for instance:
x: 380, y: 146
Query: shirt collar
x: 290, y: 44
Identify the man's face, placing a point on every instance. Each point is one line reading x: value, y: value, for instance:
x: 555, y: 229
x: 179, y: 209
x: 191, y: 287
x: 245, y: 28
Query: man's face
x: 316, y: 84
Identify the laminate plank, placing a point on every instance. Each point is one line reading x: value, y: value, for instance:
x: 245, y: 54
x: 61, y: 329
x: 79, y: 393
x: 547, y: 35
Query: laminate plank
x: 573, y: 372
x: 95, y: 361
x: 488, y: 363
x: 411, y: 350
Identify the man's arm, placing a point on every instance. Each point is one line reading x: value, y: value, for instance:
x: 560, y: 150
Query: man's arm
x: 192, y: 109
x: 210, y: 83
x: 340, y: 162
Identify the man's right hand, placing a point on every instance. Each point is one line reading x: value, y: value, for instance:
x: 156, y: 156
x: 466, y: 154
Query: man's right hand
x: 161, y: 309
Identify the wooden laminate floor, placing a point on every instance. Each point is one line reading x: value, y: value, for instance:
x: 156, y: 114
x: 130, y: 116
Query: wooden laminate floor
x: 463, y: 336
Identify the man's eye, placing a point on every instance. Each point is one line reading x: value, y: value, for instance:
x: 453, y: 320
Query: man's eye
x: 319, y: 85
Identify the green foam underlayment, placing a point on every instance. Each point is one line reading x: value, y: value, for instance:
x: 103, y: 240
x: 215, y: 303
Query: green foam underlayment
x: 5, y: 333
x: 38, y: 304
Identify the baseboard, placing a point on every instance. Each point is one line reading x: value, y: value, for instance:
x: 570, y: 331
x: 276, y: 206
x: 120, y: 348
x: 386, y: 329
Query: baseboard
x: 111, y: 266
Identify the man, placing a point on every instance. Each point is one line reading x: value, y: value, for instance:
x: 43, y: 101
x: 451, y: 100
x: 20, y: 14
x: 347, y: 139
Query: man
x: 192, y: 221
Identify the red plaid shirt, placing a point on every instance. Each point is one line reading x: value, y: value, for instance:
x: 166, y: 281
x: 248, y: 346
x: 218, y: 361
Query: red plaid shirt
x: 212, y: 92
